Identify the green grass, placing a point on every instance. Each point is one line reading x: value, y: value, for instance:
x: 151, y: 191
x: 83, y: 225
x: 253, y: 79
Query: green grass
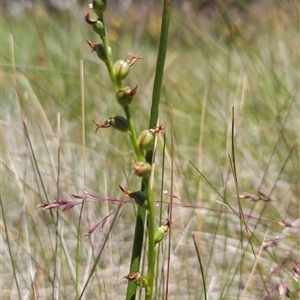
x: 255, y: 68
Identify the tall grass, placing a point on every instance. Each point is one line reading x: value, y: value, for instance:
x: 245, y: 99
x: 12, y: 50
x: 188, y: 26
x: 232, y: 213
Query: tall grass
x: 246, y: 59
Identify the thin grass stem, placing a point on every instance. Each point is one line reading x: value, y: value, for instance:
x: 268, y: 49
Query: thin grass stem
x: 201, y: 267
x: 9, y: 248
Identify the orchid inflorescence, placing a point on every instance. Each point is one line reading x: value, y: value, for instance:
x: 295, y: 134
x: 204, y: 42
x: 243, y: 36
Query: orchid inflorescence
x: 142, y: 166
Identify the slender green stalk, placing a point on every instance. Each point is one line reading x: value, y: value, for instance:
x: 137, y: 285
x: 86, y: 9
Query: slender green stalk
x: 108, y: 58
x: 133, y: 137
x: 151, y: 243
x: 136, y: 250
x: 160, y: 63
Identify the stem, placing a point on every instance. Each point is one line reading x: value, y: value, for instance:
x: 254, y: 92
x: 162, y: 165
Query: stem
x: 151, y: 243
x: 136, y: 251
x: 160, y: 63
x: 133, y: 137
x: 161, y: 57
x: 108, y: 63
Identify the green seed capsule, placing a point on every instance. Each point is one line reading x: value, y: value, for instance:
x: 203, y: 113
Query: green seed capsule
x: 99, y: 48
x: 142, y: 169
x: 119, y: 123
x: 160, y: 233
x: 140, y: 198
x: 146, y: 139
x: 121, y: 69
x: 99, y: 6
x: 139, y: 279
x: 99, y: 28
x: 125, y: 95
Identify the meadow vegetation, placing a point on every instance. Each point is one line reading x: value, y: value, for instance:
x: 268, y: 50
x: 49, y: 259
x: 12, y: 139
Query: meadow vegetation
x: 231, y: 62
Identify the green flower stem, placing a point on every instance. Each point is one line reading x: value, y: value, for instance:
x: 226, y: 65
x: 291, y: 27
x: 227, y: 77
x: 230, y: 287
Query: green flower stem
x: 136, y: 250
x: 133, y: 137
x: 160, y: 63
x: 109, y: 64
x: 161, y: 57
x: 151, y: 242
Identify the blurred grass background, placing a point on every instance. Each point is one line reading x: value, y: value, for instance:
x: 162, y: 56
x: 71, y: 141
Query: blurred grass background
x: 237, y: 54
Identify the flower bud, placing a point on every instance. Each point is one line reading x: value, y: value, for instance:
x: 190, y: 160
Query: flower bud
x: 119, y: 123
x: 121, y: 69
x: 142, y: 169
x: 99, y: 48
x: 99, y: 28
x: 125, y: 95
x: 160, y: 233
x: 139, y: 279
x: 100, y: 52
x: 139, y: 197
x: 146, y: 140
x: 97, y: 24
x: 99, y: 6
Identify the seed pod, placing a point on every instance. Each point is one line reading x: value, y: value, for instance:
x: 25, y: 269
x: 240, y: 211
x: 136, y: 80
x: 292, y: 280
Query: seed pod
x: 146, y: 139
x: 119, y: 123
x: 139, y: 279
x: 99, y: 28
x: 142, y: 169
x: 160, y: 233
x: 121, y: 69
x: 99, y: 6
x: 101, y: 53
x: 99, y: 48
x: 125, y: 95
x: 97, y: 24
x: 139, y: 197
